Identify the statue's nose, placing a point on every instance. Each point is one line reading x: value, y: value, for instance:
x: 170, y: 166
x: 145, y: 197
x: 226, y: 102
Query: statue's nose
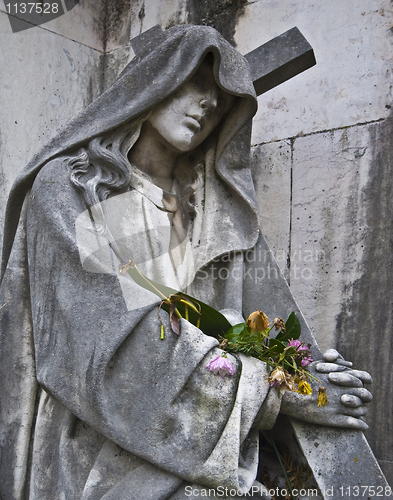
x: 209, y: 102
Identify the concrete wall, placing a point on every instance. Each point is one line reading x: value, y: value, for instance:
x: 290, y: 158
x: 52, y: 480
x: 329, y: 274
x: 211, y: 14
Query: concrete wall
x: 48, y: 73
x: 321, y: 147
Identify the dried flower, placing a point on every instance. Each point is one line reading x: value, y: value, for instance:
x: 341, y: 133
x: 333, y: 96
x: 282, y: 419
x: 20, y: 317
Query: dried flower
x: 221, y: 366
x: 282, y: 379
x: 306, y: 361
x: 123, y: 268
x: 304, y: 388
x: 279, y: 323
x: 277, y: 377
x: 322, y: 397
x: 257, y: 321
x: 289, y: 384
x: 223, y: 343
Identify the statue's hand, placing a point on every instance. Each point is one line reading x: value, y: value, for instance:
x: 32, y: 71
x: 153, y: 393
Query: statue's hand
x: 341, y: 374
x: 346, y: 403
x: 334, y: 414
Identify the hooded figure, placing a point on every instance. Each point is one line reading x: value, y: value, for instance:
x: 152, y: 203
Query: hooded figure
x: 98, y: 406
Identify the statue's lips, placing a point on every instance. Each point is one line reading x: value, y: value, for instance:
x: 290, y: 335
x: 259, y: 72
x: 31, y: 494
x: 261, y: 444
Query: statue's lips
x: 193, y: 123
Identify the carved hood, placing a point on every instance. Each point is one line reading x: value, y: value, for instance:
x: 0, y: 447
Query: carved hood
x: 158, y: 71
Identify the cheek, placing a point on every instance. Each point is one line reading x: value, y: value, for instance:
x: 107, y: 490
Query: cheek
x: 167, y: 115
x: 160, y: 120
x: 211, y: 124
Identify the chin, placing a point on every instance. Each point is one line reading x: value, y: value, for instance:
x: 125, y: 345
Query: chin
x: 184, y: 145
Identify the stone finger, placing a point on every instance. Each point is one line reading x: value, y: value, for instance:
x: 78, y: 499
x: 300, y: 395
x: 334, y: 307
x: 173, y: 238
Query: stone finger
x: 344, y: 362
x: 329, y: 367
x: 351, y: 400
x: 361, y: 411
x: 350, y: 422
x: 345, y: 379
x: 331, y: 355
x: 363, y: 376
x: 361, y: 393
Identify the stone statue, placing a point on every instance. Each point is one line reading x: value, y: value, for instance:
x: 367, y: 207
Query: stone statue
x: 94, y: 403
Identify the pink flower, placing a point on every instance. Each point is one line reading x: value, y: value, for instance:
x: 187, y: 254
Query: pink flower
x: 294, y: 343
x: 306, y: 361
x: 221, y: 366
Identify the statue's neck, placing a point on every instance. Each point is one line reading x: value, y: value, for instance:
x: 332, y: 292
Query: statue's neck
x: 150, y: 155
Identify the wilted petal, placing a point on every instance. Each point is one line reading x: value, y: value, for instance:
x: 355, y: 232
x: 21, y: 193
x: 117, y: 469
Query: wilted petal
x: 277, y: 376
x: 221, y: 366
x: 279, y: 323
x: 257, y: 321
x: 304, y: 388
x: 289, y: 384
x: 322, y: 397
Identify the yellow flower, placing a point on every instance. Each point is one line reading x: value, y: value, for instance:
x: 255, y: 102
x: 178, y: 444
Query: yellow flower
x: 322, y: 397
x: 304, y: 388
x: 257, y: 321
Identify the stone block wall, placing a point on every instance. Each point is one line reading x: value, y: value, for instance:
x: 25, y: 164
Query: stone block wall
x: 48, y: 74
x: 321, y: 147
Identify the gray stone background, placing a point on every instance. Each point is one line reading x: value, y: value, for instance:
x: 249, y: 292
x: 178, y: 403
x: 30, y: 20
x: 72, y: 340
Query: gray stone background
x: 321, y: 147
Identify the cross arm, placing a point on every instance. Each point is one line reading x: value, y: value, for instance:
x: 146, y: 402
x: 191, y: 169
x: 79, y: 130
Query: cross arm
x: 280, y: 59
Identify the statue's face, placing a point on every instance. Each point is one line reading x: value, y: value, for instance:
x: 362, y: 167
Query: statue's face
x: 186, y: 118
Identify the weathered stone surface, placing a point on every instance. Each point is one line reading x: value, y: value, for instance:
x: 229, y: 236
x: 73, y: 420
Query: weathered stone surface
x: 344, y: 469
x: 342, y: 237
x: 329, y: 229
x: 271, y: 165
x: 351, y: 82
x: 365, y: 323
x: 48, y: 80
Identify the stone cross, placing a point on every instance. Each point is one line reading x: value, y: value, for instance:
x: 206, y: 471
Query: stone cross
x: 341, y: 460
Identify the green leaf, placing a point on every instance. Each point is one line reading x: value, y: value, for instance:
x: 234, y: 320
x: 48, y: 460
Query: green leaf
x: 292, y: 328
x: 275, y: 347
x: 212, y: 322
x: 235, y: 332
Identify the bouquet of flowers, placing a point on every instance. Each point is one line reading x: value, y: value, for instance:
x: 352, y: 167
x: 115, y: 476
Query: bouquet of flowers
x: 286, y: 356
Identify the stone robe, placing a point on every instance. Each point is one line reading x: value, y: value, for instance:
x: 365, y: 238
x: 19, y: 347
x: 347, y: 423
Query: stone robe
x: 97, y: 406
x: 121, y: 413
